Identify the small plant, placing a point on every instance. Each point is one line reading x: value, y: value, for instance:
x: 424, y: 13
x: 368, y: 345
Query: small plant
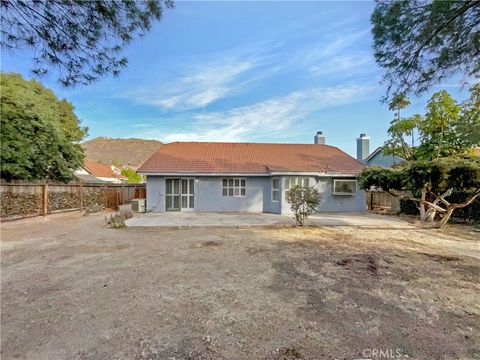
x: 117, y: 221
x: 303, y: 202
x: 476, y: 227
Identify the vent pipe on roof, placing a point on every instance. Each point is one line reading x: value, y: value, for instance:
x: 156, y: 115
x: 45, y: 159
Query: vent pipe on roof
x: 319, y: 138
x: 363, y: 147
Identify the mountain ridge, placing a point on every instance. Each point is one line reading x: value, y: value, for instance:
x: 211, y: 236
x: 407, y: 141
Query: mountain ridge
x: 119, y: 151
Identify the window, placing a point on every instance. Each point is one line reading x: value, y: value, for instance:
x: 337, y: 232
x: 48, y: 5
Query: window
x: 233, y: 187
x: 344, y: 187
x: 275, y: 189
x: 290, y: 182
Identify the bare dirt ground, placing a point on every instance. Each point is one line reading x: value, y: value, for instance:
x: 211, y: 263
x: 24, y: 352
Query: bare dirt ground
x: 74, y: 289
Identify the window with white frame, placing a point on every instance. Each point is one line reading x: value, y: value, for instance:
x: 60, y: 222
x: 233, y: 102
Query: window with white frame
x: 275, y: 189
x: 344, y: 187
x: 233, y: 187
x: 290, y: 182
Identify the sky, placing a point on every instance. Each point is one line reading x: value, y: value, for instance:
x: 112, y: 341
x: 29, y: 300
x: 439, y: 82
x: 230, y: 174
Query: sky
x: 243, y: 71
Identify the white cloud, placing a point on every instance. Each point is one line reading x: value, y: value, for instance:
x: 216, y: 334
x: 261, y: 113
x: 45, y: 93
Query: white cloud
x: 269, y: 118
x: 345, y: 65
x: 198, y: 89
x: 206, y: 80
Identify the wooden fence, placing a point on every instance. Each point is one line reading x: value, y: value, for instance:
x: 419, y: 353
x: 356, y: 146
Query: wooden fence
x: 19, y: 200
x: 382, y: 202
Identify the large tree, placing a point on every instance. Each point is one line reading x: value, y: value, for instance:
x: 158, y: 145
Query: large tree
x: 420, y: 42
x: 80, y: 40
x: 429, y: 183
x: 40, y: 134
x: 446, y: 129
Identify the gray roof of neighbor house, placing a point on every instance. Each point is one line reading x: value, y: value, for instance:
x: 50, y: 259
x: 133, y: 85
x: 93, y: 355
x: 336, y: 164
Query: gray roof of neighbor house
x: 90, y: 178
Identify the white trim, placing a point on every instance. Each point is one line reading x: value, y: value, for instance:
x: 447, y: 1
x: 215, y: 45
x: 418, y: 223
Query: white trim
x: 318, y: 174
x: 344, y: 193
x: 275, y: 189
x: 234, y: 187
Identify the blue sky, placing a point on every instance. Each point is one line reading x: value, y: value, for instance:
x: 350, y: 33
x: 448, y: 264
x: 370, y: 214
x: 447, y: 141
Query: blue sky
x: 243, y: 71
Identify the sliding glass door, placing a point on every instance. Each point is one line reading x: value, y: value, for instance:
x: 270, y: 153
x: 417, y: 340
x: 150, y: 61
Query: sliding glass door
x: 179, y: 194
x: 172, y: 195
x: 188, y: 194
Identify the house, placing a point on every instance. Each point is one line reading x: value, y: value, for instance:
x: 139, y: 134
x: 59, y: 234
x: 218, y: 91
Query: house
x: 249, y: 177
x: 377, y: 157
x: 100, y: 173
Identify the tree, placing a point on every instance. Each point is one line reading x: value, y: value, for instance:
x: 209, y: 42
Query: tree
x: 132, y: 176
x: 81, y: 40
x: 447, y: 128
x: 303, y: 202
x: 398, y: 103
x: 419, y: 43
x: 40, y: 134
x: 429, y: 183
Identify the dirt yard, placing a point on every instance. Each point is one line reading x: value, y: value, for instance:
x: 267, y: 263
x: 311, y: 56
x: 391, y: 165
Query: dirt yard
x: 74, y: 289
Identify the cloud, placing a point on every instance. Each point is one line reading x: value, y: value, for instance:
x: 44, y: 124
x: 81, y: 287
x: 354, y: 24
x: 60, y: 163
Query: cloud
x: 209, y: 83
x: 345, y: 65
x: 227, y: 73
x: 271, y: 118
x: 204, y: 82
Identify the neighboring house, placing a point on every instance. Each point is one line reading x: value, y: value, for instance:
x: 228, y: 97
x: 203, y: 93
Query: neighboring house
x: 377, y: 157
x: 249, y: 177
x: 100, y: 173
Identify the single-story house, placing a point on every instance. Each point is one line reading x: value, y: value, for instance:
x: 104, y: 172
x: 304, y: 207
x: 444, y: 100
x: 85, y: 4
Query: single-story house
x: 249, y: 177
x: 93, y: 172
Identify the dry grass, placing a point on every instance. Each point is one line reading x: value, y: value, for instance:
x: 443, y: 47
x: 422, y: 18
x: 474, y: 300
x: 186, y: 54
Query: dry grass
x: 74, y: 289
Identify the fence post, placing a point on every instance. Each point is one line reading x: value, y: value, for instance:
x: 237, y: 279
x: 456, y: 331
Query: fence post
x: 105, y: 201
x: 45, y: 199
x: 80, y: 188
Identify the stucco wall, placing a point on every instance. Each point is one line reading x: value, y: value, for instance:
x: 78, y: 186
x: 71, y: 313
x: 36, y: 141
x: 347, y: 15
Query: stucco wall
x: 209, y: 197
x: 328, y: 201
x: 155, y: 193
x: 270, y: 206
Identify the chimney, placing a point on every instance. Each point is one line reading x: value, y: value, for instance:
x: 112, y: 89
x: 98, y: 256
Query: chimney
x: 319, y: 138
x: 363, y: 147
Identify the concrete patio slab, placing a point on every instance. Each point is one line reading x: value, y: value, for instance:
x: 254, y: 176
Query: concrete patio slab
x: 198, y: 219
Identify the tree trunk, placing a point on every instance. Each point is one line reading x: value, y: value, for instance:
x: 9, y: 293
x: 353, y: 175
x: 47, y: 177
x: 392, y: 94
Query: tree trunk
x: 445, y: 218
x: 421, y: 206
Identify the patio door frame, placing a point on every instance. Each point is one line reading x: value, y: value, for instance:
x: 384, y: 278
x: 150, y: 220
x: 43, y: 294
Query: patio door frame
x: 187, y: 194
x: 172, y: 195
x: 180, y: 192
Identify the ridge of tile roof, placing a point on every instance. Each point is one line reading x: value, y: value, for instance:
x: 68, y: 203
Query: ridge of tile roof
x: 249, y: 158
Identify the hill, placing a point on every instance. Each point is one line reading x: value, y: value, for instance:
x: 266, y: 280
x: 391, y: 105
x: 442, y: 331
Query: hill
x: 119, y: 151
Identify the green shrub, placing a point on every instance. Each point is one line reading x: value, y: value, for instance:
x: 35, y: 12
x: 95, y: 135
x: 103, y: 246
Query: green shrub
x: 303, y: 202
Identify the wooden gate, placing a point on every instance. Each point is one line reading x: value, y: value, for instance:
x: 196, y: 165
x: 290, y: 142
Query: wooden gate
x: 382, y: 202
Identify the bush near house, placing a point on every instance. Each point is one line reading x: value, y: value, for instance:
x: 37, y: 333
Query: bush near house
x: 303, y: 202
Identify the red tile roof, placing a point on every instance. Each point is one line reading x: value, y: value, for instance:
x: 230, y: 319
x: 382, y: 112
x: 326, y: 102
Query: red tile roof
x: 248, y: 158
x: 101, y: 170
